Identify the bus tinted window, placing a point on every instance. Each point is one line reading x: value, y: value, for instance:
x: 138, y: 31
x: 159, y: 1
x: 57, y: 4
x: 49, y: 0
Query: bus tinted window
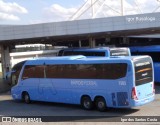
x: 111, y: 71
x: 143, y: 72
x: 85, y: 53
x: 51, y: 71
x: 77, y: 53
x: 100, y: 54
x: 67, y: 53
x: 60, y: 53
x: 95, y: 53
x: 39, y: 72
x: 87, y: 71
x: 33, y: 72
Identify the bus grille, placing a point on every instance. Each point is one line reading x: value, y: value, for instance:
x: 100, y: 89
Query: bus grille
x: 122, y: 98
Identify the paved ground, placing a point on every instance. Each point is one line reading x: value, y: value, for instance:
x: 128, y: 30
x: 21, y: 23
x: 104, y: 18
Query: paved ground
x: 9, y: 107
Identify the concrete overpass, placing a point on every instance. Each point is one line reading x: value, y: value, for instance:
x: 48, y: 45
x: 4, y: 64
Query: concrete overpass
x: 120, y: 26
x: 90, y: 29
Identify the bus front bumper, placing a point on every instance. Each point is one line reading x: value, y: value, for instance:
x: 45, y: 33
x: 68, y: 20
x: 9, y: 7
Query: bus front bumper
x: 15, y: 93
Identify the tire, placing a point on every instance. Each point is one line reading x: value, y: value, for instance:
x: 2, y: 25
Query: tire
x: 86, y: 103
x: 101, y: 104
x: 26, y: 98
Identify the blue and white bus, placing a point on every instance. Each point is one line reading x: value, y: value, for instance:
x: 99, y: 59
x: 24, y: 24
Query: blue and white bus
x: 154, y: 52
x: 97, y: 52
x: 105, y: 82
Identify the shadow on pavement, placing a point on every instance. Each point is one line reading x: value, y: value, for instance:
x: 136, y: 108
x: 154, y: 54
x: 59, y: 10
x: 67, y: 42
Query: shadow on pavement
x: 58, y: 112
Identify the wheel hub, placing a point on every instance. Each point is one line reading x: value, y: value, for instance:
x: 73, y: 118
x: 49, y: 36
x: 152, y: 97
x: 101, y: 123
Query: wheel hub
x: 100, y: 104
x: 86, y: 104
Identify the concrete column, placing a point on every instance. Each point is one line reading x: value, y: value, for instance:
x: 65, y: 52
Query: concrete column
x: 12, y: 61
x: 92, y: 42
x: 125, y: 40
x: 80, y: 44
x: 5, y: 58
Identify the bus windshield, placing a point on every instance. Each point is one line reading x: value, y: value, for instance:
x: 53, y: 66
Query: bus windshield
x: 119, y: 52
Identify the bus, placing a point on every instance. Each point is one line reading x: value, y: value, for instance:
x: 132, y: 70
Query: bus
x: 154, y: 52
x: 100, y: 82
x: 100, y: 51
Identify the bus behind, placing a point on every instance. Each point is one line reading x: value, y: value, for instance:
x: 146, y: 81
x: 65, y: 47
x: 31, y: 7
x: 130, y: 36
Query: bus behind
x: 96, y: 52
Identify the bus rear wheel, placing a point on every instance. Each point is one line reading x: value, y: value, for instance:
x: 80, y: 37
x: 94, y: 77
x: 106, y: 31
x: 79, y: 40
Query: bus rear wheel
x: 87, y: 103
x: 101, y: 104
x: 26, y: 98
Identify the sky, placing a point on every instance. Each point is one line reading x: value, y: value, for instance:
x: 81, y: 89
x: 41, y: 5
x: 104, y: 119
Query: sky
x: 24, y: 12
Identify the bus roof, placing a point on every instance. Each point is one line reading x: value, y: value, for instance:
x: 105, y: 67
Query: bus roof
x: 74, y: 59
x: 94, y: 49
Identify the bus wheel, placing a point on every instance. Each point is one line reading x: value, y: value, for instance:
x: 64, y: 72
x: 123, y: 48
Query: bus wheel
x: 26, y: 98
x: 101, y: 104
x: 86, y: 103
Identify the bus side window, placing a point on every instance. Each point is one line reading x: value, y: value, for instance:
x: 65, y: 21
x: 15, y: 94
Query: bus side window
x: 51, y: 71
x: 99, y: 54
x: 76, y: 53
x: 39, y: 71
x: 60, y: 53
x: 29, y: 72
x: 67, y: 53
x: 32, y: 71
x: 112, y: 71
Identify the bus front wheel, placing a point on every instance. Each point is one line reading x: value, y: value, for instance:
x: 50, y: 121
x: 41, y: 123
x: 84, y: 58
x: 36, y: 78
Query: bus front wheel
x: 26, y: 98
x: 101, y: 104
x: 87, y: 103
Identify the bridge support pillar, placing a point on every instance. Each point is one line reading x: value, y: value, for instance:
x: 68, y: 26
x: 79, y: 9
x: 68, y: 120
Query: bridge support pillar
x: 80, y: 44
x: 125, y: 40
x: 5, y: 59
x: 92, y: 42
